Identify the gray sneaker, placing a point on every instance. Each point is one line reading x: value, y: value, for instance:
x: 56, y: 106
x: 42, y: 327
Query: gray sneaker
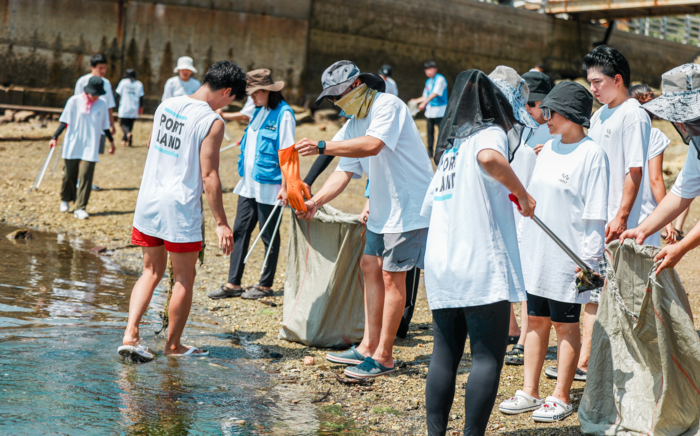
x: 256, y: 292
x: 225, y: 292
x: 551, y: 372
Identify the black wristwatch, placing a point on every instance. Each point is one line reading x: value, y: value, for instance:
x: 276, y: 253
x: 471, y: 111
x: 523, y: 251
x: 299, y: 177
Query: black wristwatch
x: 321, y: 147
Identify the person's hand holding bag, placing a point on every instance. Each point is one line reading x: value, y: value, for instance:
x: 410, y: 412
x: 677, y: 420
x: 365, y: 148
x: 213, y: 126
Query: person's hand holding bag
x: 296, y: 189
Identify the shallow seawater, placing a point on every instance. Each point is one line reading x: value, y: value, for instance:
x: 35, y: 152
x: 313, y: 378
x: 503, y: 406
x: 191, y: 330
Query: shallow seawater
x: 62, y: 314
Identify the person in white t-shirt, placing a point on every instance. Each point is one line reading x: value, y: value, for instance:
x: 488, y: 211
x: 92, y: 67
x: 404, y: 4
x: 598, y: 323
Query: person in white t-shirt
x: 382, y: 140
x: 472, y: 260
x: 98, y: 68
x: 131, y: 94
x: 385, y: 73
x: 244, y: 115
x: 679, y: 104
x: 621, y: 128
x: 86, y: 117
x: 570, y: 183
x: 540, y: 85
x: 183, y: 83
x: 182, y: 163
x: 261, y: 185
x: 654, y: 188
x: 433, y: 101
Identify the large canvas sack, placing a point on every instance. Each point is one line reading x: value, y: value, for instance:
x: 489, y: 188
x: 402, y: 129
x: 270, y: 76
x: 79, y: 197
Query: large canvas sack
x: 644, y: 371
x: 324, y: 287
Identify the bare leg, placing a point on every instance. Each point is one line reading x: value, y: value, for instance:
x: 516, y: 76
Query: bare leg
x: 568, y: 347
x: 513, y: 330
x: 184, y: 272
x: 524, y: 322
x: 588, y: 321
x: 394, y: 303
x: 374, y: 303
x: 535, y: 352
x: 155, y: 260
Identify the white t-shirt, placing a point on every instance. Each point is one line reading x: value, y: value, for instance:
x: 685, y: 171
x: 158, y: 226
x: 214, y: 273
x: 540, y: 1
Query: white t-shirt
x: 540, y: 136
x: 108, y: 97
x: 400, y: 173
x: 391, y: 87
x: 249, y: 108
x: 623, y: 134
x: 82, y: 140
x: 174, y: 87
x: 687, y: 184
x: 658, y: 142
x: 169, y: 202
x: 472, y: 255
x: 129, y: 95
x: 247, y: 187
x: 438, y: 88
x: 570, y: 185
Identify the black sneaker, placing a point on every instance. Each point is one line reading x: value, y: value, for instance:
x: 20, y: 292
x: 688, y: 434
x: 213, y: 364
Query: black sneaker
x: 256, y: 292
x: 225, y: 292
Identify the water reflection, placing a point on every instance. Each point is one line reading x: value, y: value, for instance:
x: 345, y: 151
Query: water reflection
x: 62, y: 314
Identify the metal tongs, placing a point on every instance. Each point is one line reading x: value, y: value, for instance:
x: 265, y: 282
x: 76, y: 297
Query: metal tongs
x: 587, y: 279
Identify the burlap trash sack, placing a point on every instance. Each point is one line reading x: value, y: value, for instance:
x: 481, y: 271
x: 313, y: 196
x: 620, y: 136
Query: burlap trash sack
x: 644, y: 371
x: 324, y: 287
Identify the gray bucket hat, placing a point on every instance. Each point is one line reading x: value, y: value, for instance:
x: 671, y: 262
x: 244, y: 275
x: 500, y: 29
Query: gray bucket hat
x: 516, y: 91
x: 680, y: 101
x: 339, y: 76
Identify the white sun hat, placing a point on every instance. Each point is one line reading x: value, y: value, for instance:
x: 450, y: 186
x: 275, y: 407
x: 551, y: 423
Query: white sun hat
x: 680, y: 101
x: 185, y: 63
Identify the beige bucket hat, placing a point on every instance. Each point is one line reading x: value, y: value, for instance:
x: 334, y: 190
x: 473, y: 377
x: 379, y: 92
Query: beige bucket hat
x: 262, y: 79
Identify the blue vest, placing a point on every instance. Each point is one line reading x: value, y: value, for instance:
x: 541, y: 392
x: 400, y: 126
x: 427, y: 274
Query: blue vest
x: 267, y: 164
x: 440, y: 100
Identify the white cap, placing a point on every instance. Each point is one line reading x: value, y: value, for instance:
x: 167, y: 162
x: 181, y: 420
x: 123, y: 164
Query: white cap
x: 185, y: 63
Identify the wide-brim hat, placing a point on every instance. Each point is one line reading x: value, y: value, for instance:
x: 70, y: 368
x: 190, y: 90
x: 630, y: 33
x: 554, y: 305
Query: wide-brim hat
x: 338, y: 77
x: 95, y: 86
x: 185, y: 63
x: 680, y: 101
x: 516, y: 91
x: 261, y: 79
x: 572, y: 101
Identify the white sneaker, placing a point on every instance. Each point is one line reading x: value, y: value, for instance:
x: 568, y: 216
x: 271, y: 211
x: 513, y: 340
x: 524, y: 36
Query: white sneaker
x: 519, y: 403
x: 64, y: 206
x: 553, y: 410
x: 81, y: 214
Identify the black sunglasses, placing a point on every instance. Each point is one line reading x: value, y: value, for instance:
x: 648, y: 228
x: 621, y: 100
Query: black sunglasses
x: 532, y: 104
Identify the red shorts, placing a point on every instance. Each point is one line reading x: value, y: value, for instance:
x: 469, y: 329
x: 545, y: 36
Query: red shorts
x: 143, y: 240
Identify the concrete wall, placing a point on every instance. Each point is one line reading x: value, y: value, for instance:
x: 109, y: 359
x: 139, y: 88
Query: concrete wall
x: 46, y: 44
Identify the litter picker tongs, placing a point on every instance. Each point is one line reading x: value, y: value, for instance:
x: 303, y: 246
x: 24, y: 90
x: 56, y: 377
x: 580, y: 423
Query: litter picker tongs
x: 587, y: 279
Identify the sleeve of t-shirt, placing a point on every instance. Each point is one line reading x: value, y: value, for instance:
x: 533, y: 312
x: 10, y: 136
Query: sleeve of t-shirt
x: 427, y: 208
x: 350, y: 165
x: 287, y: 126
x: 110, y: 96
x: 593, y: 243
x: 632, y: 140
x: 493, y: 139
x: 141, y: 91
x: 688, y: 182
x: 205, y: 127
x: 440, y: 85
x: 596, y: 193
x: 120, y: 88
x: 167, y: 91
x: 385, y: 124
x: 68, y: 112
x: 340, y: 136
x: 658, y: 143
x: 248, y: 108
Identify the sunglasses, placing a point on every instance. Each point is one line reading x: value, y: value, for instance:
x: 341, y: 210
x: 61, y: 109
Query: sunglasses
x: 532, y: 104
x: 690, y: 132
x: 546, y: 113
x: 335, y: 98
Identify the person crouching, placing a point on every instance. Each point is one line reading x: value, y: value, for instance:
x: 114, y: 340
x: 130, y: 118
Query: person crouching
x: 86, y: 117
x: 570, y: 182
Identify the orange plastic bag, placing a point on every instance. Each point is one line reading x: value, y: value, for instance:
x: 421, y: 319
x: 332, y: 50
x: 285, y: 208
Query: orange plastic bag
x: 296, y: 189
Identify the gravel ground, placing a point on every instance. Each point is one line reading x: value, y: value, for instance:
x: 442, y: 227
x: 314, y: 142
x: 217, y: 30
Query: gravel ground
x: 390, y: 405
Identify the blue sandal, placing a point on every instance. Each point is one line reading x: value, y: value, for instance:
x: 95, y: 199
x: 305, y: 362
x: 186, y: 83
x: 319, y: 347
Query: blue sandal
x: 347, y: 357
x: 367, y: 369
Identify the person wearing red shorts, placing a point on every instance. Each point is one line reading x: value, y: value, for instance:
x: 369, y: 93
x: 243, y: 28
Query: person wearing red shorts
x: 182, y: 162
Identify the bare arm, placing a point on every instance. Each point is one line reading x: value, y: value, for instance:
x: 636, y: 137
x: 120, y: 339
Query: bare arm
x: 497, y: 166
x: 335, y: 184
x: 234, y: 116
x: 209, y: 162
x: 618, y: 225
x: 658, y: 188
x: 363, y: 146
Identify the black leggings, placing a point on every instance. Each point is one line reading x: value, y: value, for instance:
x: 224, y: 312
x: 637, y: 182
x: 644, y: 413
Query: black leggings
x: 488, y: 333
x: 432, y: 123
x: 127, y: 125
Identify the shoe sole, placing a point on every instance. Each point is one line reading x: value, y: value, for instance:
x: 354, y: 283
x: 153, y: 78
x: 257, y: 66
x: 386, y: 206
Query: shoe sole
x: 222, y: 297
x: 133, y: 356
x: 255, y: 298
x: 515, y: 362
x: 344, y: 361
x: 554, y: 376
x: 555, y: 418
x: 363, y: 376
x: 518, y: 411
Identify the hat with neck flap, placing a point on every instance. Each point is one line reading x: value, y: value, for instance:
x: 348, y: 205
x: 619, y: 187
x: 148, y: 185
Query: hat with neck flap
x: 477, y: 102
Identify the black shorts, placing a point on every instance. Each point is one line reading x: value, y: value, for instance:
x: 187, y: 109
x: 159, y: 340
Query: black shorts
x: 555, y: 310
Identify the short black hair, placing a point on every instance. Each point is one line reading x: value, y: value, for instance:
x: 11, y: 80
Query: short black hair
x: 429, y: 64
x: 98, y: 59
x: 226, y: 74
x: 274, y: 99
x: 608, y: 61
x: 130, y: 74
